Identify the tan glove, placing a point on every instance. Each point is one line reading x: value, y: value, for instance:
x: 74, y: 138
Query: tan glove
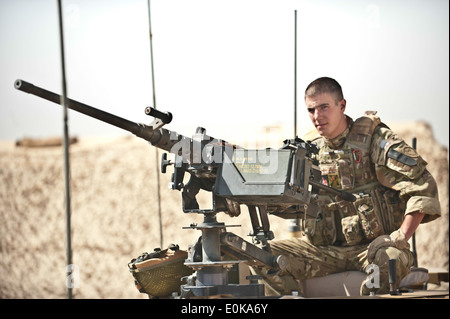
x: 395, y: 239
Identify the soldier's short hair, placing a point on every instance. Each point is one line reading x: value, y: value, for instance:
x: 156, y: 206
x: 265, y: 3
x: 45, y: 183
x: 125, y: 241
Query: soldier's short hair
x: 325, y: 85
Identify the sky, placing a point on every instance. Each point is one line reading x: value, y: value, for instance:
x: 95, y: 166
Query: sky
x: 225, y: 65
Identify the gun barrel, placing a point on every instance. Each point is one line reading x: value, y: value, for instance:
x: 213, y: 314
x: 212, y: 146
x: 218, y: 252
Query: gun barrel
x: 109, y: 118
x: 156, y: 135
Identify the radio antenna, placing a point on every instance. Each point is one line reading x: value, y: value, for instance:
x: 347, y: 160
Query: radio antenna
x: 151, y: 53
x: 154, y: 105
x: 295, y: 75
x: 294, y: 226
x: 66, y: 153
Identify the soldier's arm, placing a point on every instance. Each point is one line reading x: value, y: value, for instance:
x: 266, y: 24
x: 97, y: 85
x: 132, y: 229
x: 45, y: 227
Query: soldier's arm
x: 400, y: 167
x: 410, y: 223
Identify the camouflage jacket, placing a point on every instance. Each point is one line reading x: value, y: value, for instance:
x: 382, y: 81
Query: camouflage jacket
x: 388, y: 177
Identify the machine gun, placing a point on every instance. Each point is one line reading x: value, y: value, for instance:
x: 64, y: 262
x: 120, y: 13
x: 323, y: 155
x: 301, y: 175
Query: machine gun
x: 279, y: 182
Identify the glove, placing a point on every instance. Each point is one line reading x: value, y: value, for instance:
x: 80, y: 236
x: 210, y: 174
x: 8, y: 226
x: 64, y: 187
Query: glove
x: 396, y: 239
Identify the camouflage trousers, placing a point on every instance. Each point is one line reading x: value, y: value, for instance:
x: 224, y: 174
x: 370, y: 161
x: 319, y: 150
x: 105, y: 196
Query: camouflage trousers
x: 306, y: 260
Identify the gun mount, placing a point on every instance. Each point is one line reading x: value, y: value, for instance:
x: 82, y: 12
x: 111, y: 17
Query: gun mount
x: 279, y: 182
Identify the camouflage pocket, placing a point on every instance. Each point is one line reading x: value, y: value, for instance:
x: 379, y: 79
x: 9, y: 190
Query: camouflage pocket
x: 345, y: 208
x: 321, y: 231
x: 313, y: 230
x: 370, y: 224
x: 395, y: 208
x: 352, y: 230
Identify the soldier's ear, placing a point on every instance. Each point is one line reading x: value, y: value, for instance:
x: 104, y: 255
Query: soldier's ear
x: 343, y: 103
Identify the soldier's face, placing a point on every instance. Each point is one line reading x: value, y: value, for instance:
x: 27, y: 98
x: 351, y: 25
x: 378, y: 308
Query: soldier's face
x: 326, y: 114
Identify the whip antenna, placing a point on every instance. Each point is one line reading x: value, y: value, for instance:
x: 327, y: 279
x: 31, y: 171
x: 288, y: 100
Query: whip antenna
x: 294, y: 226
x: 295, y: 75
x: 151, y: 53
x: 154, y: 106
x: 66, y: 155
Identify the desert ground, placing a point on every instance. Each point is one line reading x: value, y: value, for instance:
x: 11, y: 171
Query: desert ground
x: 115, y: 215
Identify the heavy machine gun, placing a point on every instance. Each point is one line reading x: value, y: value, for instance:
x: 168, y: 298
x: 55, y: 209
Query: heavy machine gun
x: 280, y: 182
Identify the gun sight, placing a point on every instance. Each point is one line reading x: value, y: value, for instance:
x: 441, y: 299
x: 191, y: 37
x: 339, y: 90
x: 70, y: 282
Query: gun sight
x: 165, y: 117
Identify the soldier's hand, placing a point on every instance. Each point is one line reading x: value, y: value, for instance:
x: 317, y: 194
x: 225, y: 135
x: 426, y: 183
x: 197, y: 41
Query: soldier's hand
x: 395, y: 239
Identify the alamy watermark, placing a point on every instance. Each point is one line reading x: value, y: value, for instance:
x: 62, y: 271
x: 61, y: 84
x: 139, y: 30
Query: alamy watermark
x: 373, y: 276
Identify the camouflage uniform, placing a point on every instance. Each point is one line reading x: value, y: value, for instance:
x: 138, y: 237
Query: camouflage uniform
x: 389, y: 180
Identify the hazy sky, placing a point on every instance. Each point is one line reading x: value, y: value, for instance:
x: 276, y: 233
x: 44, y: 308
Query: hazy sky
x: 226, y: 65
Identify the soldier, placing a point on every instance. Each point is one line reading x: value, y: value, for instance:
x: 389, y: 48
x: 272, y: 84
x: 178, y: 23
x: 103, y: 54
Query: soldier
x: 394, y: 190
